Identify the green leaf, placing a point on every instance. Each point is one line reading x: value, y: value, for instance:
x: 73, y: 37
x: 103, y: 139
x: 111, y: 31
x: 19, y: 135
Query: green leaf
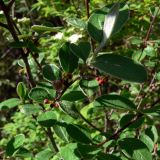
x: 76, y: 22
x: 73, y: 96
x: 21, y: 90
x: 39, y: 94
x: 121, y: 67
x: 23, y: 153
x: 113, y: 101
x: 102, y: 156
x: 25, y: 44
x: 152, y: 133
x: 78, y: 134
x: 148, y: 141
x: 68, y: 152
x: 96, y: 21
x: 48, y: 87
x: 89, y: 86
x: 44, y: 155
x: 69, y: 108
x: 109, y: 23
x: 135, y: 149
x: 128, y: 117
x: 154, y: 111
x: 82, y: 50
x: 51, y: 72
x: 73, y: 93
x: 10, y: 103
x: 47, y: 119
x: 14, y: 144
x: 68, y: 60
x: 61, y: 132
x: 40, y: 28
x: 87, y: 151
x: 30, y: 109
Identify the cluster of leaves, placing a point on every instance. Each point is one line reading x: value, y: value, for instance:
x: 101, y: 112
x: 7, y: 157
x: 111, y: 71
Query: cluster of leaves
x: 88, y: 102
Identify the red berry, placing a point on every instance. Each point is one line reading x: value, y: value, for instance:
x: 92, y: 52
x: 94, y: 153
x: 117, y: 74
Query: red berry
x: 46, y: 101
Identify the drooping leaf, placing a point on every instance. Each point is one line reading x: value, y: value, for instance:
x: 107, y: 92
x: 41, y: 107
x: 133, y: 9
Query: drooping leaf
x: 96, y: 21
x: 147, y: 141
x: 68, y: 60
x: 76, y: 22
x: 73, y: 93
x: 10, y: 103
x: 89, y: 86
x: 61, y: 132
x: 152, y: 133
x: 135, y: 149
x: 39, y: 94
x: 113, y: 101
x: 109, y: 23
x: 102, y: 156
x: 68, y: 152
x: 121, y: 67
x: 128, y: 117
x: 87, y: 151
x: 23, y: 153
x: 47, y: 119
x: 69, y: 108
x: 78, y: 134
x: 44, y: 155
x: 51, y: 72
x: 30, y: 109
x: 21, y: 90
x: 40, y: 28
x: 82, y: 50
x: 14, y: 144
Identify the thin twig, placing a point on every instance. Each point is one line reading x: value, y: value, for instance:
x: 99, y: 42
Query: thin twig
x: 119, y: 131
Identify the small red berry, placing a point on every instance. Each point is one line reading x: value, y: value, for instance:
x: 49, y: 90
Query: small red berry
x: 46, y: 101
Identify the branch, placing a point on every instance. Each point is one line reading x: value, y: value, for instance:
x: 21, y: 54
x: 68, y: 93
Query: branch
x: 117, y: 133
x: 50, y: 135
x: 9, y: 6
x: 15, y: 37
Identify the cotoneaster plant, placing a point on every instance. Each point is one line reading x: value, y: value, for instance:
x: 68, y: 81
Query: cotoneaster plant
x: 79, y: 100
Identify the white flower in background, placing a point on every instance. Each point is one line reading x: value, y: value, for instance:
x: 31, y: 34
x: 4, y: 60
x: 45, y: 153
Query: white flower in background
x: 74, y: 38
x: 59, y: 35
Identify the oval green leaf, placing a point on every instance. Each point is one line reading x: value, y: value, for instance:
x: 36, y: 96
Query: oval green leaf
x: 135, y: 149
x: 51, y: 72
x: 82, y: 50
x: 47, y: 119
x: 30, y: 109
x: 121, y: 67
x: 68, y: 60
x: 40, y: 28
x: 10, y: 103
x: 96, y: 21
x: 21, y: 90
x: 78, y: 134
x: 39, y: 94
x: 14, y: 144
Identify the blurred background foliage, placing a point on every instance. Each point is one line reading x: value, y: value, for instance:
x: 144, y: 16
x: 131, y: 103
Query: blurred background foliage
x: 62, y: 13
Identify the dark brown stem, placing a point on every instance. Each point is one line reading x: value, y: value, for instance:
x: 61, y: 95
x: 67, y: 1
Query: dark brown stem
x: 50, y: 136
x: 87, y: 8
x: 15, y: 37
x: 119, y: 131
x: 10, y: 4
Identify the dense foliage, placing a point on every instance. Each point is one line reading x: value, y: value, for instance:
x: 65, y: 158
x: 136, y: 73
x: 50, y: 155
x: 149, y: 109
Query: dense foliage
x: 79, y: 80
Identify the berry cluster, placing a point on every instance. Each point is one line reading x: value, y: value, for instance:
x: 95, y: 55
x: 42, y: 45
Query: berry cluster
x: 52, y: 103
x: 101, y: 80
